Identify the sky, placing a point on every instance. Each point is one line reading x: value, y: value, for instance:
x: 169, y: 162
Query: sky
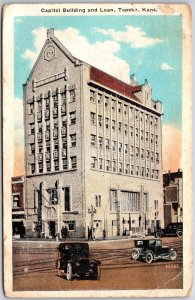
x: 147, y: 46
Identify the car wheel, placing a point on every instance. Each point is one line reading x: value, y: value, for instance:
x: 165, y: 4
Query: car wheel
x: 58, y: 267
x: 98, y: 274
x: 148, y: 257
x: 158, y: 234
x: 173, y: 255
x: 69, y: 272
x: 135, y: 254
x: 179, y: 233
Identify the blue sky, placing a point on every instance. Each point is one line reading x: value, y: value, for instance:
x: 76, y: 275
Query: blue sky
x: 150, y: 45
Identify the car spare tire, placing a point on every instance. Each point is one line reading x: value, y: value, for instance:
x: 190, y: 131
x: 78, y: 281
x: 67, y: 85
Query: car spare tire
x: 173, y: 254
x: 135, y: 254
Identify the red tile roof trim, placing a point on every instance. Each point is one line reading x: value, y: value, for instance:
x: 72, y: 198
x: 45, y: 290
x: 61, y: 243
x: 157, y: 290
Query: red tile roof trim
x: 114, y: 83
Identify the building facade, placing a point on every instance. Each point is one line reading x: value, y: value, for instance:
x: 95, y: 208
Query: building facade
x: 93, y: 149
x: 18, y: 207
x: 173, y: 197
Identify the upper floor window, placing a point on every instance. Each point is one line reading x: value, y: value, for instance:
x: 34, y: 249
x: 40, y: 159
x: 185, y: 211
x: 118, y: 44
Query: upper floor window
x: 39, y: 106
x: 92, y: 96
x: 92, y: 118
x: 100, y: 163
x: 93, y: 162
x: 107, y: 142
x: 53, y: 196
x: 106, y: 102
x: 99, y: 98
x: 126, y: 148
x: 113, y: 146
x: 31, y: 108
x: 32, y: 148
x: 108, y: 165
x: 73, y: 160
x: 113, y: 105
x: 125, y: 109
x: 47, y: 102
x: 137, y: 132
x: 16, y: 201
x: 125, y: 129
x: 114, y: 165
x: 120, y: 167
x: 93, y: 140
x: 73, y: 140
x: 100, y: 142
x: 100, y: 120
x: 119, y: 107
x: 32, y: 128
x: 73, y: 117
x: 119, y: 126
x: 107, y: 123
x: 120, y: 146
x: 72, y: 96
x: 113, y: 125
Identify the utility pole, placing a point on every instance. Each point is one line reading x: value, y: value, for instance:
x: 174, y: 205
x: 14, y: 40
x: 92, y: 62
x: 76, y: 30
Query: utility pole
x: 92, y: 211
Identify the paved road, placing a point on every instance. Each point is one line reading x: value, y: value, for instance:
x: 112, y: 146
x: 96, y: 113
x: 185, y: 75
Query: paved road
x: 34, y: 267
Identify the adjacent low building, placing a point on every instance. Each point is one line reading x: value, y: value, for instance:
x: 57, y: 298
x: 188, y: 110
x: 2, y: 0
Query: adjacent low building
x: 173, y: 196
x: 93, y: 150
x: 18, y: 207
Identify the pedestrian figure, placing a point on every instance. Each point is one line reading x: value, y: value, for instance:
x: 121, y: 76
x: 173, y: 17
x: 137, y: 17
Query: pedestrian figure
x: 90, y: 234
x: 104, y: 234
x: 65, y: 232
x: 62, y: 232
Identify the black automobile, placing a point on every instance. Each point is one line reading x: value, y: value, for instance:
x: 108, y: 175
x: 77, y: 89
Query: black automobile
x: 171, y: 229
x: 74, y: 262
x: 151, y: 250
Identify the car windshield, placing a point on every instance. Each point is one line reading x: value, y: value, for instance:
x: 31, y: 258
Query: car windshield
x: 158, y: 243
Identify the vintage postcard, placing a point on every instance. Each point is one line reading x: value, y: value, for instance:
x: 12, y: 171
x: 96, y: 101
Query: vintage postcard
x: 97, y: 150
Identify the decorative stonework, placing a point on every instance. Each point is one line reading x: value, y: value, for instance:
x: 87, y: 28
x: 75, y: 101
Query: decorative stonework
x: 49, y: 53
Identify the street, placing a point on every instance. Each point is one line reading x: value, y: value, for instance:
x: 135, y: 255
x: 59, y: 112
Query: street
x: 34, y: 267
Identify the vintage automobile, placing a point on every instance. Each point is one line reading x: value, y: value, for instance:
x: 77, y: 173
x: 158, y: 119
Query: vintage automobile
x: 171, y: 229
x: 74, y: 262
x: 151, y: 250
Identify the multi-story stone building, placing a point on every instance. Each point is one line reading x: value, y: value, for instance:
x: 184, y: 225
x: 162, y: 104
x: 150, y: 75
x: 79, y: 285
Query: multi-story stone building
x: 93, y: 144
x: 173, y: 196
x: 18, y: 206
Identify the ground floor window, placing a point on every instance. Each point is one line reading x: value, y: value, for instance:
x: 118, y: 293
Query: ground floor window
x: 113, y: 200
x: 67, y: 206
x: 130, y: 201
x: 71, y: 225
x: 53, y: 196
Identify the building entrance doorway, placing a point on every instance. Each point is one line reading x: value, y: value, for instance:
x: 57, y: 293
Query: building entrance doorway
x: 52, y: 229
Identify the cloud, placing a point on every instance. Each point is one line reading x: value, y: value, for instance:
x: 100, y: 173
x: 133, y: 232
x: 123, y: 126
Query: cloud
x: 18, y: 20
x: 172, y: 144
x: 102, y: 55
x: 135, y: 37
x: 166, y: 67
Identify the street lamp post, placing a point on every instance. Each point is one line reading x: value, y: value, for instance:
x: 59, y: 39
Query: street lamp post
x: 92, y: 211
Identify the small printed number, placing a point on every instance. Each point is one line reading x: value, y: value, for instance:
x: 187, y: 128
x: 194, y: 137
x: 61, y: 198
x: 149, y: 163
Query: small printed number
x: 172, y: 266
